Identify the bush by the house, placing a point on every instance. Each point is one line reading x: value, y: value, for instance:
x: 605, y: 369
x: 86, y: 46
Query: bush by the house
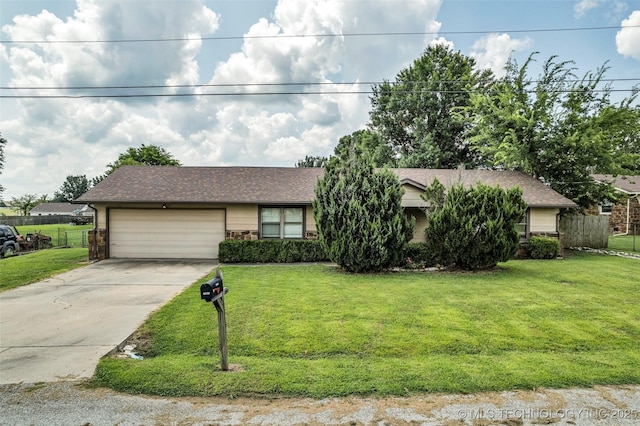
x: 475, y: 227
x: 543, y: 248
x: 271, y: 251
x: 359, y: 215
x: 418, y: 256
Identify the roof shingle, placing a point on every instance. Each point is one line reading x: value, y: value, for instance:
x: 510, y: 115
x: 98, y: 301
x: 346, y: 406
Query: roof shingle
x: 279, y: 185
x: 629, y: 184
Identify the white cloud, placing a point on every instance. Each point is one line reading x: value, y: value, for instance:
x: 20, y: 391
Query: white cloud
x: 613, y: 8
x: 582, y: 7
x: 493, y: 51
x: 628, y: 39
x: 444, y: 42
x: 81, y: 136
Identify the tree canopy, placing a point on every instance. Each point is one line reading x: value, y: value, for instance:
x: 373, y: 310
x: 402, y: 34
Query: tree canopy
x: 146, y: 155
x: 558, y: 128
x: 312, y: 161
x: 23, y: 204
x: 414, y: 115
x: 72, y: 188
x: 3, y: 142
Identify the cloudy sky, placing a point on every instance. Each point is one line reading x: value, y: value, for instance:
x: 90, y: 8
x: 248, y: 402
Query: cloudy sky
x: 251, y: 82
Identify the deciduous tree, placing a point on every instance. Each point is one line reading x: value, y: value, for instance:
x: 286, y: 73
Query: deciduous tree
x: 558, y: 128
x: 3, y: 142
x: 23, y: 204
x: 414, y: 114
x: 380, y: 152
x: 147, y: 155
x: 72, y: 188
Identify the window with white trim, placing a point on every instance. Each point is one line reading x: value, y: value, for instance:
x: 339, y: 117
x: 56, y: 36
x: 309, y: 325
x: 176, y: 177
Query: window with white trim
x: 605, y: 207
x: 282, y: 222
x: 523, y: 226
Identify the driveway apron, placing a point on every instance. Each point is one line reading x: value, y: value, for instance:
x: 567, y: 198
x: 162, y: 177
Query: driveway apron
x: 59, y: 328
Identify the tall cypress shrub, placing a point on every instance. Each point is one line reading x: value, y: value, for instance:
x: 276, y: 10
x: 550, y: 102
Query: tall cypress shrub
x: 359, y: 215
x: 473, y: 228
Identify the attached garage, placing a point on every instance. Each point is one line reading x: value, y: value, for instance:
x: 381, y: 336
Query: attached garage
x: 165, y: 233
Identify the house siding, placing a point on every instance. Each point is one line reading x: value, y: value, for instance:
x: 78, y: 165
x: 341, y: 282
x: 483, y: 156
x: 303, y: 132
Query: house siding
x: 242, y: 217
x: 421, y: 224
x: 543, y: 220
x: 412, y: 197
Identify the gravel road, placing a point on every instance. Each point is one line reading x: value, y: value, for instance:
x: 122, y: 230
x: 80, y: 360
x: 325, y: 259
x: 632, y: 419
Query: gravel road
x: 72, y: 403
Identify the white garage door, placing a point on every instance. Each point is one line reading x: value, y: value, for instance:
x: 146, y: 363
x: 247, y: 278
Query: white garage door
x: 165, y: 234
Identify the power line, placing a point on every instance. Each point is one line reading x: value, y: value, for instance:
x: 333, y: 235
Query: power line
x: 279, y: 93
x: 351, y: 83
x: 328, y: 35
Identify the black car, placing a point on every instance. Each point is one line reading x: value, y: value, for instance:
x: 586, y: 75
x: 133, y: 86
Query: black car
x: 8, y: 241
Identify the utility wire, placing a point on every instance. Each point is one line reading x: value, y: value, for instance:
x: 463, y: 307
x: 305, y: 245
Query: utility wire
x: 280, y: 93
x: 330, y: 35
x: 352, y: 83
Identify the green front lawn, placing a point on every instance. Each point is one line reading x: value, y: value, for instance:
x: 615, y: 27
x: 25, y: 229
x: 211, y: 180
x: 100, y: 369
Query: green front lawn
x: 61, y: 234
x: 314, y: 331
x: 624, y: 243
x: 25, y: 269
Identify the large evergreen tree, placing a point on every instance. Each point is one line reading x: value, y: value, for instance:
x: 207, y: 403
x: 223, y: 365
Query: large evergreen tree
x: 359, y: 215
x: 473, y: 228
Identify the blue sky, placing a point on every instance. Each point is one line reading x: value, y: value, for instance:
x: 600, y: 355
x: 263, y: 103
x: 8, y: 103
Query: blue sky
x: 60, y: 137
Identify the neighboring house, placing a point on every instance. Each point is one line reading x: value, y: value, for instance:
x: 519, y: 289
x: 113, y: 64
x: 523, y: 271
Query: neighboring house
x: 626, y: 212
x: 60, y: 209
x: 184, y: 212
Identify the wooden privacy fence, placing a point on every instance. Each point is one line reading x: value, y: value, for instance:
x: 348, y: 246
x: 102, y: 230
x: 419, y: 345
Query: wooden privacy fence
x: 585, y: 231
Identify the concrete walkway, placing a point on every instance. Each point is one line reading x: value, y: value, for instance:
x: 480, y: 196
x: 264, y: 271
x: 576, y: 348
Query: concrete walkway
x: 58, y: 329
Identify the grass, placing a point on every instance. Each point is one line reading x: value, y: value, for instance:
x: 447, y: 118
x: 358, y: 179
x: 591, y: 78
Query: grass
x: 7, y: 211
x: 314, y: 331
x: 624, y: 243
x: 25, y: 269
x: 73, y: 237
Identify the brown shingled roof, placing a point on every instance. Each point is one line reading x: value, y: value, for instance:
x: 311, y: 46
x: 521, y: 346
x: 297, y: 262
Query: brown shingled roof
x: 628, y: 184
x: 261, y: 185
x: 281, y: 185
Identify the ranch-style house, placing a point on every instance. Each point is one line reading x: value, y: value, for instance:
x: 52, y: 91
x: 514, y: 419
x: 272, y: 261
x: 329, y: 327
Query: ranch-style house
x: 185, y: 212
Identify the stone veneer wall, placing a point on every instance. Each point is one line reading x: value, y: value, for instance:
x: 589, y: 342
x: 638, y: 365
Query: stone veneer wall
x: 242, y: 235
x: 618, y: 216
x: 97, y: 244
x: 254, y: 235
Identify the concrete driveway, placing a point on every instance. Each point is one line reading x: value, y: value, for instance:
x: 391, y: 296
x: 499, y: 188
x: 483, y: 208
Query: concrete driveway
x: 59, y: 328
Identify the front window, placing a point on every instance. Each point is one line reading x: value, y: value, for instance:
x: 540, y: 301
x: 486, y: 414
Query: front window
x: 282, y: 222
x: 605, y: 207
x: 523, y: 226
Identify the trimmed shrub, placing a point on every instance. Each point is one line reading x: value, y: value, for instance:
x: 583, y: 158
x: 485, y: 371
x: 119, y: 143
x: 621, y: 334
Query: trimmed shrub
x: 475, y: 227
x: 359, y: 215
x: 543, y: 248
x: 417, y: 256
x: 271, y: 251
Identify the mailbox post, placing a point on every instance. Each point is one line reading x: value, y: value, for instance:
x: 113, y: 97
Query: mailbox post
x: 214, y: 291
